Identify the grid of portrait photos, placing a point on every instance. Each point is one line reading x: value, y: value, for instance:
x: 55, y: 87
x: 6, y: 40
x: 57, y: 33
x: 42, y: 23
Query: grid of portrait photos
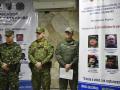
x: 111, y: 61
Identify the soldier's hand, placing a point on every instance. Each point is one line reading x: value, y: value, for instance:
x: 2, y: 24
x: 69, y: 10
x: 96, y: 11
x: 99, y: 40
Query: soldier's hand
x: 67, y: 67
x: 5, y: 66
x: 38, y: 65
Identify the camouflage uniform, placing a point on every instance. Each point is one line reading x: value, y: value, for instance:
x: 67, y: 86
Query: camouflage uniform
x: 11, y: 55
x: 67, y: 53
x: 41, y: 51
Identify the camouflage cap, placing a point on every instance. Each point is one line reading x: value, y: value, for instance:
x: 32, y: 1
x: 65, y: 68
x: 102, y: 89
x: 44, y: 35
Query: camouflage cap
x: 40, y: 30
x: 9, y: 33
x: 69, y: 29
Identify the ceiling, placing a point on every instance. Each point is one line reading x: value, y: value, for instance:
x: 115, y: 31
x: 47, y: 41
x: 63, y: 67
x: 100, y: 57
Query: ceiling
x: 53, y: 4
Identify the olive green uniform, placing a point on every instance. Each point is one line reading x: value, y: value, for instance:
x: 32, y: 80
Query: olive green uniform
x: 41, y: 51
x: 67, y: 53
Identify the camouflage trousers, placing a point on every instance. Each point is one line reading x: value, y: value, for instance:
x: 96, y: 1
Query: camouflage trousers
x: 63, y: 83
x: 9, y: 81
x: 41, y: 78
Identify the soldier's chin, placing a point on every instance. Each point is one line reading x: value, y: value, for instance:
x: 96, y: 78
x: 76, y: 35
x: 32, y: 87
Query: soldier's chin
x: 7, y: 41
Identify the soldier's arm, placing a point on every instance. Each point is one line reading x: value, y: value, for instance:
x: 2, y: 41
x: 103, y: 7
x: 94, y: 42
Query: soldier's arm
x: 58, y: 56
x: 30, y: 54
x: 50, y: 50
x: 0, y: 61
x: 17, y: 56
x: 0, y: 57
x: 75, y: 59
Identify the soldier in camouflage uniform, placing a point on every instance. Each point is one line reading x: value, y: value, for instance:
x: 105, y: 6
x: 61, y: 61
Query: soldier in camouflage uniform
x: 10, y: 55
x: 67, y: 56
x: 40, y: 54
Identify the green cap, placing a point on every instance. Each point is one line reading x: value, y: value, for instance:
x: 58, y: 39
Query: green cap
x: 40, y: 30
x: 9, y: 33
x: 69, y: 29
x: 93, y: 37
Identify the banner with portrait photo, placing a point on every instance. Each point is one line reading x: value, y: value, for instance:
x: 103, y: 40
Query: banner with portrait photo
x: 19, y: 16
x: 99, y: 58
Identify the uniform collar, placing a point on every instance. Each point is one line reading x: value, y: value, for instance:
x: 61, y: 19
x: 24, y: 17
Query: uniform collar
x: 69, y: 42
x: 10, y: 44
x: 40, y: 40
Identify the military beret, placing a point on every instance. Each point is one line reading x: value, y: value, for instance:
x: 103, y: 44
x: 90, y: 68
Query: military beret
x: 40, y: 30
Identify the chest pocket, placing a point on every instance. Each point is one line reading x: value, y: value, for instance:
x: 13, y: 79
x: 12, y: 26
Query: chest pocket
x: 8, y: 53
x: 42, y: 46
x: 68, y: 49
x: 41, y: 51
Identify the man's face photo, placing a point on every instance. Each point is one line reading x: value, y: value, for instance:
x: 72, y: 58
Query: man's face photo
x: 19, y: 37
x: 93, y: 41
x: 92, y: 61
x: 111, y: 62
x: 111, y: 41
